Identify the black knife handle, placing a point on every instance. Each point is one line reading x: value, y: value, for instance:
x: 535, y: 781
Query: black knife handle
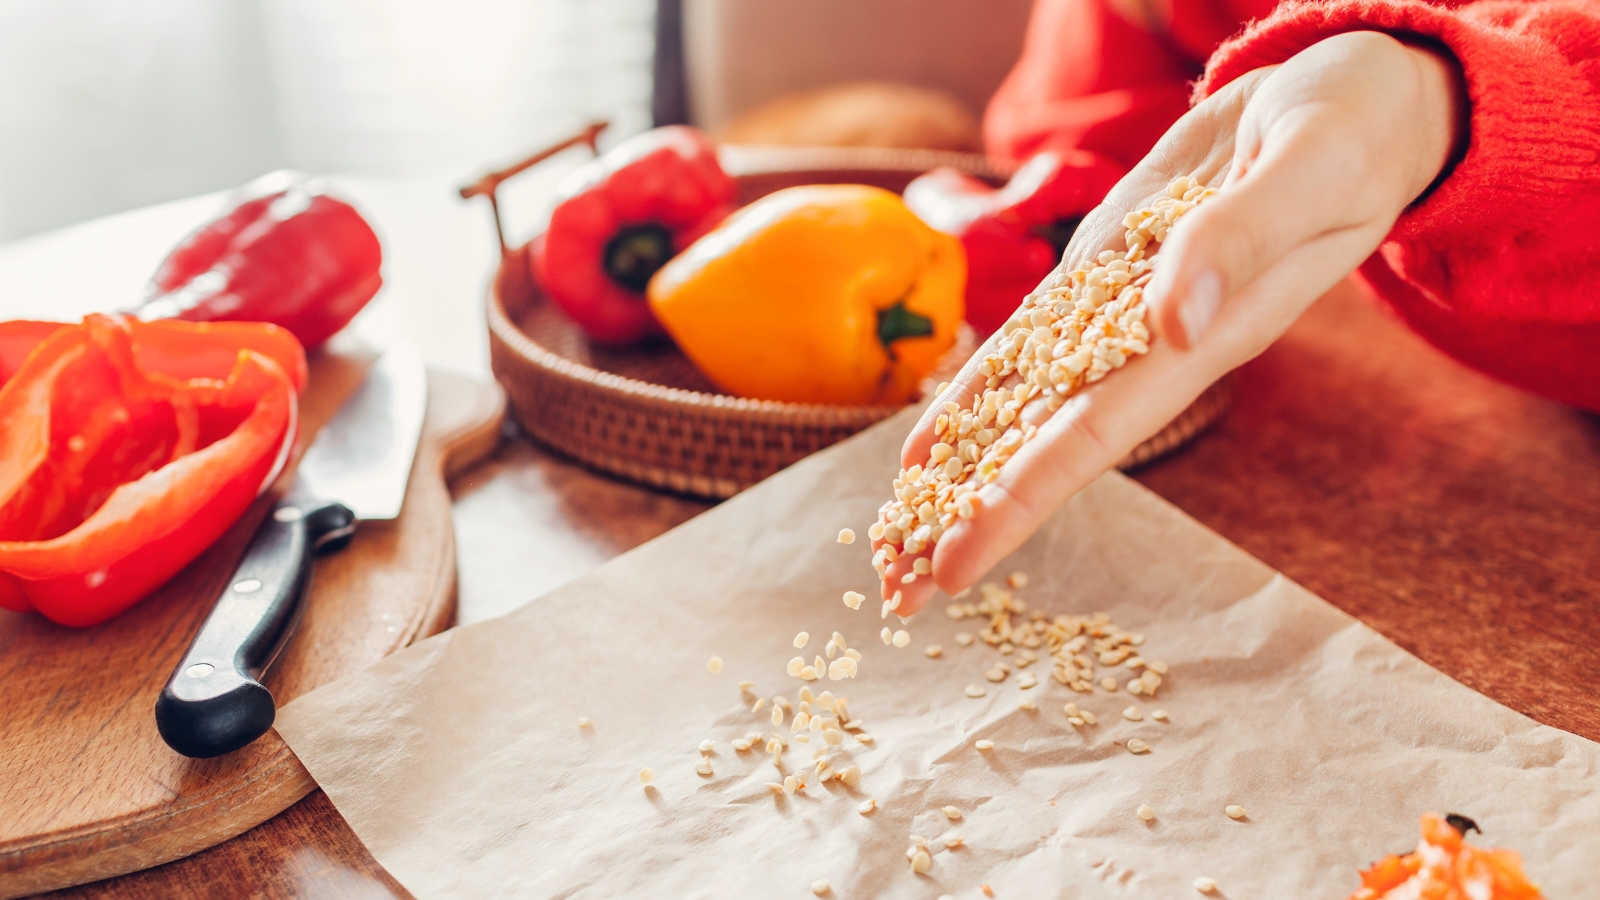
x: 214, y: 703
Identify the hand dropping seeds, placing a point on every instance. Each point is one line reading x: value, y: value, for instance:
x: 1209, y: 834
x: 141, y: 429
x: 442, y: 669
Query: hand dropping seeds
x: 1072, y: 331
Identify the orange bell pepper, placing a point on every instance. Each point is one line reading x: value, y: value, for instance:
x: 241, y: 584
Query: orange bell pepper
x: 823, y: 293
x: 127, y: 448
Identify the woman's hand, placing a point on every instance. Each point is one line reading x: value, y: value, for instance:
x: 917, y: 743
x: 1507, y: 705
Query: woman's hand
x: 1316, y: 158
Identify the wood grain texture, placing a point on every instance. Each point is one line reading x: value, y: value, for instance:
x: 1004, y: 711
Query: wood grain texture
x: 88, y: 789
x: 1455, y: 515
x: 1459, y: 517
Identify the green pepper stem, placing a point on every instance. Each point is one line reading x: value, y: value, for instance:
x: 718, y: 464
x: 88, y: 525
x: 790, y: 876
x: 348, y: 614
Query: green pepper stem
x: 635, y: 253
x: 897, y: 322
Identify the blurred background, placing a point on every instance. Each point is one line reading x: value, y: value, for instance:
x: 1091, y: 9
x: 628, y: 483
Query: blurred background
x: 107, y: 105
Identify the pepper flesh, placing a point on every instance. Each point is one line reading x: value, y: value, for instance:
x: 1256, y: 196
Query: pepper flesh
x: 816, y: 294
x: 283, y: 252
x: 1445, y: 867
x: 1014, y: 235
x: 619, y: 219
x: 127, y: 448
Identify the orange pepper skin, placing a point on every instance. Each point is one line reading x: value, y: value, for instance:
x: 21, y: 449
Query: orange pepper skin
x: 123, y: 455
x: 1445, y: 867
x: 816, y: 294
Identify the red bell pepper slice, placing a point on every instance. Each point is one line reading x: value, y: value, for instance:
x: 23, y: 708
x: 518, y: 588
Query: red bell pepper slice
x: 619, y: 219
x: 1014, y: 235
x: 127, y: 448
x: 285, y: 252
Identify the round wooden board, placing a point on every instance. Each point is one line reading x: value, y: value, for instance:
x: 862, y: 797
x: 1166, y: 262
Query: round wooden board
x: 87, y: 788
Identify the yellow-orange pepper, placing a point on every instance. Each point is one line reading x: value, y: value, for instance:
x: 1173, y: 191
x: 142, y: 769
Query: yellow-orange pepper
x: 816, y: 294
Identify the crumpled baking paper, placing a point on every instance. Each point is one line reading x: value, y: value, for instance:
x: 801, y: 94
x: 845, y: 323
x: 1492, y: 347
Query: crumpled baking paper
x: 461, y: 764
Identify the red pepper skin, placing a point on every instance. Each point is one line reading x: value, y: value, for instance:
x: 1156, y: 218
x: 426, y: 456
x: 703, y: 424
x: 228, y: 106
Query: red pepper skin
x: 1014, y: 235
x: 127, y: 448
x: 660, y: 190
x: 288, y: 254
x: 17, y: 340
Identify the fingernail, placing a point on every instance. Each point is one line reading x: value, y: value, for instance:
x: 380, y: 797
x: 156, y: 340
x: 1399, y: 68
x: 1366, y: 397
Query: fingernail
x: 1200, y: 305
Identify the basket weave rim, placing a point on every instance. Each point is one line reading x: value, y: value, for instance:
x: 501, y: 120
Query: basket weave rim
x: 621, y: 385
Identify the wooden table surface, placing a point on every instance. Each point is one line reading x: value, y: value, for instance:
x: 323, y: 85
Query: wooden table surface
x: 1458, y: 517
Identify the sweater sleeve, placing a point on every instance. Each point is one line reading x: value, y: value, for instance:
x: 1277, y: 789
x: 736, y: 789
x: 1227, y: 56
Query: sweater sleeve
x: 1088, y: 79
x: 1498, y: 264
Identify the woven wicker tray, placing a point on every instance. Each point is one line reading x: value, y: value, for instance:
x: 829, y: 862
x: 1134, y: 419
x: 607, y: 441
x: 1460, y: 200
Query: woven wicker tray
x: 647, y: 415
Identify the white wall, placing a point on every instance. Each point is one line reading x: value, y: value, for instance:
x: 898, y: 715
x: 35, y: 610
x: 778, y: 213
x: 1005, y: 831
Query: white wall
x: 107, y: 105
x: 742, y: 53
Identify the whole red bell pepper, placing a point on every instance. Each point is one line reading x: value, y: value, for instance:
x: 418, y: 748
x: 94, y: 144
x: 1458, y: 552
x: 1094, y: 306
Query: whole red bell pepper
x: 283, y: 252
x: 1016, y: 234
x: 127, y: 448
x: 619, y: 219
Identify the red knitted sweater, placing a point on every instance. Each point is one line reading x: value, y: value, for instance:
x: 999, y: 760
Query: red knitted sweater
x: 1492, y: 266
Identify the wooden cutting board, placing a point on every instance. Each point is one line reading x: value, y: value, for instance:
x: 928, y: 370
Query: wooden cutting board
x: 87, y: 788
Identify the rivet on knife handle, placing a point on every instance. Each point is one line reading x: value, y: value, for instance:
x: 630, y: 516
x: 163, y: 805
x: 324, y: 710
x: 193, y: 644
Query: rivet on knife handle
x: 214, y: 702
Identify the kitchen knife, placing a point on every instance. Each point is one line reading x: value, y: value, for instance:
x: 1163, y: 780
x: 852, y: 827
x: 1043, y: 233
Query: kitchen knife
x: 355, y: 470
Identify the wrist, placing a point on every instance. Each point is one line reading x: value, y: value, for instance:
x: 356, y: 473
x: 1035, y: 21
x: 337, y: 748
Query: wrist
x: 1443, y: 121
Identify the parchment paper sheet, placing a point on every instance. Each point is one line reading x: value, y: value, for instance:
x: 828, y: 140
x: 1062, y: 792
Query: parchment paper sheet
x: 460, y: 764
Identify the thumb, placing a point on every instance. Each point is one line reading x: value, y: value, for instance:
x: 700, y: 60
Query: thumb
x: 1279, y: 202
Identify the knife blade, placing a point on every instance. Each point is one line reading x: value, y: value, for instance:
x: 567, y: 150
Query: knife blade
x: 355, y: 470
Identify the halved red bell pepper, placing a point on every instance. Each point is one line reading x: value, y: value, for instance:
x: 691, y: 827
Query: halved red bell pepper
x: 284, y: 252
x: 619, y: 219
x: 1016, y: 234
x: 127, y: 448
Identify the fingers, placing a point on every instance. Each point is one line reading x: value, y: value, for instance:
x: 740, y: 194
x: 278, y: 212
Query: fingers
x: 920, y: 440
x: 1103, y: 423
x: 1293, y: 191
x: 913, y: 595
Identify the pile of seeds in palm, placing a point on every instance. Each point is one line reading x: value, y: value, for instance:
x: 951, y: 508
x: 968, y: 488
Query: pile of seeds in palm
x: 1069, y: 333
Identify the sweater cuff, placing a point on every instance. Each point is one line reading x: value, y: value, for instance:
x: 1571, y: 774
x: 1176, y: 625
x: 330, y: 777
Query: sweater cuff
x: 1535, y: 128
